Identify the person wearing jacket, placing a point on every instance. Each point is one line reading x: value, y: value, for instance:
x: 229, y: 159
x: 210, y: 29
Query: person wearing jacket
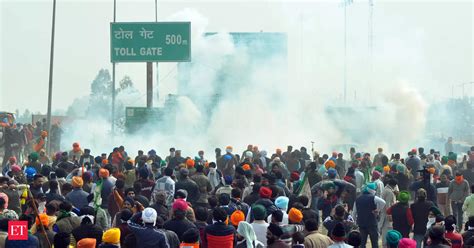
x: 77, y: 196
x: 220, y: 234
x: 147, y: 236
x: 468, y: 205
x: 457, y: 193
x: 420, y: 210
x: 179, y: 224
x: 265, y: 194
x: 365, y: 211
x: 66, y: 222
x: 400, y: 214
x: 86, y: 158
x: 184, y: 182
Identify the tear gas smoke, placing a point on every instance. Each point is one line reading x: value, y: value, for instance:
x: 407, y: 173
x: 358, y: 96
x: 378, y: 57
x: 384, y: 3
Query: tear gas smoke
x: 259, y: 103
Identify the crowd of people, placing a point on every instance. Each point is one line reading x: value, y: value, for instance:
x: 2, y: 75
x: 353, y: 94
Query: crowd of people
x: 245, y: 200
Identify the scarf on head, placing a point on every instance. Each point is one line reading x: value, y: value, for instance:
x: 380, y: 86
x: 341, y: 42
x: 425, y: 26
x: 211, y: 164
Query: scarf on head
x: 246, y: 231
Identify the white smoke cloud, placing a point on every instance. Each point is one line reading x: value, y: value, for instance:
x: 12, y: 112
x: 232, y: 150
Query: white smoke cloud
x: 265, y: 106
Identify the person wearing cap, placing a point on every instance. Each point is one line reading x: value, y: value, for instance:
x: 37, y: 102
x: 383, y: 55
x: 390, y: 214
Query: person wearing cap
x: 184, y: 182
x: 314, y: 239
x: 400, y: 214
x: 179, y: 223
x: 420, y: 210
x: 338, y: 235
x: 220, y: 234
x: 77, y: 196
x: 282, y: 204
x: 365, y: 209
x: 111, y: 238
x: 147, y: 235
x: 259, y: 225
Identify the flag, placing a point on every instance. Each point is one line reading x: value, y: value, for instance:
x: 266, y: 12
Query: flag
x: 305, y: 189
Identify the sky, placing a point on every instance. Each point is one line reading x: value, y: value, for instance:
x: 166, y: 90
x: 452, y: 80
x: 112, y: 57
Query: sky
x: 427, y: 45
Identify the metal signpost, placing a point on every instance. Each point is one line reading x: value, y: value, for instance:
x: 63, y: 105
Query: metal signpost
x: 149, y: 42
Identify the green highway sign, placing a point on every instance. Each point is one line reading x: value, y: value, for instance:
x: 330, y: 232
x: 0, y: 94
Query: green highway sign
x: 137, y: 117
x: 150, y: 41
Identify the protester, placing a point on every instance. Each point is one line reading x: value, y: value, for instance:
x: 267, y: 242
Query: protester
x: 314, y: 239
x: 420, y: 210
x: 255, y: 203
x: 457, y: 193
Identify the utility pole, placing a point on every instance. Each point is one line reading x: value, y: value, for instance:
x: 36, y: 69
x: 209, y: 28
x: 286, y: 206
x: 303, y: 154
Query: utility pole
x: 50, y: 88
x: 345, y: 3
x: 113, y: 82
x: 371, y: 46
x: 345, y: 51
x: 156, y: 68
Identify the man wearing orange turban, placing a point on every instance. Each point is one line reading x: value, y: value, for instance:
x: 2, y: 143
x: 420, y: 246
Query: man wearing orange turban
x: 78, y: 197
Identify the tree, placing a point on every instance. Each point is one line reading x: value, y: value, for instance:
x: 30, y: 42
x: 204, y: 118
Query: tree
x: 125, y: 83
x: 102, y: 84
x: 101, y: 93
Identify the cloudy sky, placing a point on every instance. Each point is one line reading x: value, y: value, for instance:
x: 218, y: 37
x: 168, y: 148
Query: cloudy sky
x: 425, y: 44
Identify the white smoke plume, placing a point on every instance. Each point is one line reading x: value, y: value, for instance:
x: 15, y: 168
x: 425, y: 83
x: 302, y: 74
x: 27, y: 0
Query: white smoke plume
x: 265, y: 106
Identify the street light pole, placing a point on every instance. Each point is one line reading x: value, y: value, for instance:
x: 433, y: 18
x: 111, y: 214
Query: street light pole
x: 50, y: 87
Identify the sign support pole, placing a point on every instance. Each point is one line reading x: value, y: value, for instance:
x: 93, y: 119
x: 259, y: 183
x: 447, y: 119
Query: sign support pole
x: 112, y: 121
x: 149, y: 84
x: 50, y: 88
